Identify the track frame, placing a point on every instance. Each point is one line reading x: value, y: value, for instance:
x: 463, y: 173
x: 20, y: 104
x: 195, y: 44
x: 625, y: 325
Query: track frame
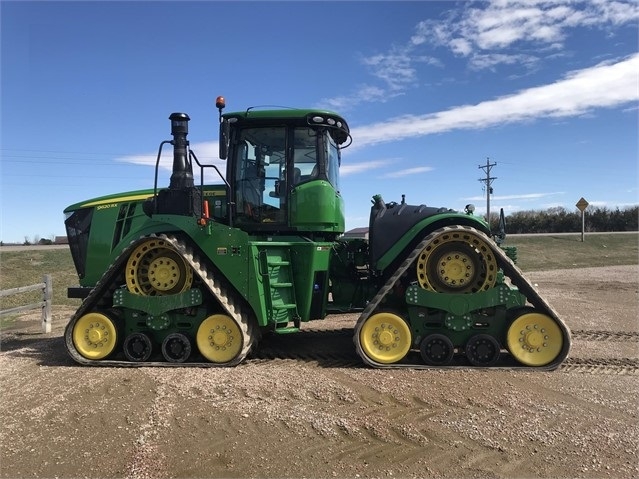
x: 510, y: 271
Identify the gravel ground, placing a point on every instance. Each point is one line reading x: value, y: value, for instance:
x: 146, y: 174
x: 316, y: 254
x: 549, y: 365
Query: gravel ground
x: 310, y: 419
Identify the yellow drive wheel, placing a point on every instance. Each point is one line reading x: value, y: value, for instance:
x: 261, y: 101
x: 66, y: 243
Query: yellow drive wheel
x: 457, y: 262
x: 155, y: 268
x: 94, y: 336
x: 385, y: 338
x: 219, y: 338
x: 534, y: 339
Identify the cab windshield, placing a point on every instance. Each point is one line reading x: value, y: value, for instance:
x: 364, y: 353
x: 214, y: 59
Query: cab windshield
x: 271, y: 161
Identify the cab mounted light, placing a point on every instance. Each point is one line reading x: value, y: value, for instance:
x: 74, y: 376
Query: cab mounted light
x: 220, y: 104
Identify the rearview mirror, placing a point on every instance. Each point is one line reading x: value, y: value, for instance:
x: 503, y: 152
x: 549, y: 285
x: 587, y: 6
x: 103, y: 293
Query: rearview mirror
x: 225, y: 131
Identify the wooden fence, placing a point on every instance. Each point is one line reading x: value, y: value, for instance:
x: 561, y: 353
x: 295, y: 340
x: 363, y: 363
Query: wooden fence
x: 47, y: 292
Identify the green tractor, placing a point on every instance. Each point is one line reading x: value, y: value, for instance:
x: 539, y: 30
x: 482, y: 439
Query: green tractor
x: 195, y: 274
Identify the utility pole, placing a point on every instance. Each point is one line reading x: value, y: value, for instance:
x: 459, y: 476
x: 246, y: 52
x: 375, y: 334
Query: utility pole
x: 488, y: 181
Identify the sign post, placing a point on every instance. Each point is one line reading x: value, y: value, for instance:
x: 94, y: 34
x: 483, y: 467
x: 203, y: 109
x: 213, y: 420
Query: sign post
x: 582, y: 204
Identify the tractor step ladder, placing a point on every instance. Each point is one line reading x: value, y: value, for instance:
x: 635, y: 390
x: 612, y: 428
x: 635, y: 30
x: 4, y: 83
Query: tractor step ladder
x: 280, y: 289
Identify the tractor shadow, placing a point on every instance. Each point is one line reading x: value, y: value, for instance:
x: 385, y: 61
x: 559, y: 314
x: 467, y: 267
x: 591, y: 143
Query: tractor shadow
x: 45, y: 348
x: 325, y: 348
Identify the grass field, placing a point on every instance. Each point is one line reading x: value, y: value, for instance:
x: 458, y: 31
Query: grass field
x: 535, y: 253
x: 24, y: 268
x: 539, y: 253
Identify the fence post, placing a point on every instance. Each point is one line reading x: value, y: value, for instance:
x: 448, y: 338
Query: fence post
x: 46, y: 305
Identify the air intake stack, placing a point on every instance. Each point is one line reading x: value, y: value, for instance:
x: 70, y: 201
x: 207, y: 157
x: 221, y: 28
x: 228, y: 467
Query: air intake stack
x: 182, y: 176
x: 181, y: 197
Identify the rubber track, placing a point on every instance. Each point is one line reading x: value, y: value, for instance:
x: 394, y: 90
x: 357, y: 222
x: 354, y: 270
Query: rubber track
x: 102, y: 293
x: 511, y: 271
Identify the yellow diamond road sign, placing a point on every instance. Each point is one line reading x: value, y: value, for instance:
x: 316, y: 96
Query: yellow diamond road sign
x: 582, y: 204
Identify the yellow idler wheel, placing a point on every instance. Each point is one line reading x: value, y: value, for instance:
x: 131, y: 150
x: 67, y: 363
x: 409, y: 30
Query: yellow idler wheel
x: 385, y: 338
x: 457, y: 262
x: 155, y: 269
x: 219, y: 338
x: 534, y: 339
x: 94, y: 336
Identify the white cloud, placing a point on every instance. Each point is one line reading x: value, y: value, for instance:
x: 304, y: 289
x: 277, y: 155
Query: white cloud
x: 396, y: 71
x: 350, y: 169
x: 363, y: 94
x: 488, y: 27
x: 393, y: 68
x: 461, y: 46
x: 527, y: 196
x: 206, y: 153
x: 481, y: 32
x: 481, y: 61
x: 148, y: 160
x: 603, y: 86
x: 616, y: 12
x: 409, y: 171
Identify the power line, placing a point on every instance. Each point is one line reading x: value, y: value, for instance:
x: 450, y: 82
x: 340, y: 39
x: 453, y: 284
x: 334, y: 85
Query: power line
x: 488, y: 182
x: 38, y: 150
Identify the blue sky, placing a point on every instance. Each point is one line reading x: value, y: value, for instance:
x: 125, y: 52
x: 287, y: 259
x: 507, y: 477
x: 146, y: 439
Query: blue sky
x: 546, y: 90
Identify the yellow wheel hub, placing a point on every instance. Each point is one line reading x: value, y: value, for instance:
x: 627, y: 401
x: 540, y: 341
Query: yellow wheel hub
x: 219, y: 338
x: 385, y: 338
x: 457, y: 262
x: 456, y: 269
x: 534, y: 339
x: 155, y: 268
x: 94, y: 336
x: 163, y: 273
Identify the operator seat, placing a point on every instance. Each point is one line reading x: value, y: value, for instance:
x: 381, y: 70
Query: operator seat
x: 250, y: 188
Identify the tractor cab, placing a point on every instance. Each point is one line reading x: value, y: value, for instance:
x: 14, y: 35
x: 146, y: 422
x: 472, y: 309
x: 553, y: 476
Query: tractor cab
x: 283, y: 170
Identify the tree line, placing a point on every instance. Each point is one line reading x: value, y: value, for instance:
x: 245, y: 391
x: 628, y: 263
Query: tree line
x: 560, y: 220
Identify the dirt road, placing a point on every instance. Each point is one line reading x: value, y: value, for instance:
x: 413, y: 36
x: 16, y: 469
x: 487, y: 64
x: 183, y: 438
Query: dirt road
x: 324, y: 416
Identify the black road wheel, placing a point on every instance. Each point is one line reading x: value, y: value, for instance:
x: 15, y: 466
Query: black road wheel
x: 137, y: 347
x: 482, y: 350
x: 437, y: 350
x: 176, y: 348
